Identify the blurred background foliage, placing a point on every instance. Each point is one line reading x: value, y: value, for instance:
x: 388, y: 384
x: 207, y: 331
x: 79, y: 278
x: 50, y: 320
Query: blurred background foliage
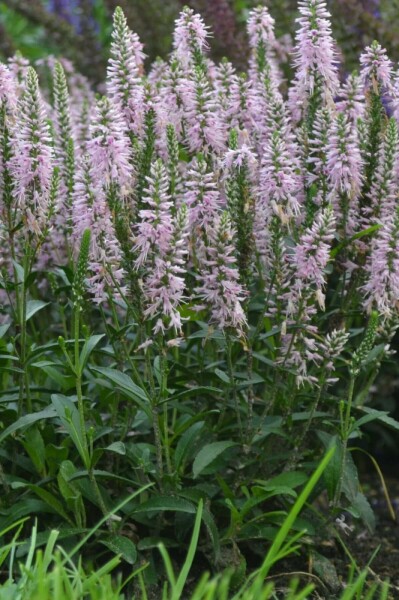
x: 80, y: 29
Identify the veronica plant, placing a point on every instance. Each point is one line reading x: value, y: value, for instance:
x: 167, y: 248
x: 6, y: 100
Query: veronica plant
x: 224, y: 249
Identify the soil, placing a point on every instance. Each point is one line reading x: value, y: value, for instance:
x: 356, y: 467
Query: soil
x: 378, y: 552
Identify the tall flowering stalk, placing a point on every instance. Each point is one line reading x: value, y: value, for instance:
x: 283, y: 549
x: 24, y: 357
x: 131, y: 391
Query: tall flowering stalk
x: 204, y: 130
x: 32, y: 163
x: 240, y: 173
x: 308, y: 263
x: 203, y: 199
x: 279, y: 189
x: 352, y: 97
x: 190, y: 39
x: 160, y: 248
x: 31, y: 169
x: 376, y: 73
x: 91, y: 211
x: 124, y: 74
x: 64, y: 151
x: 8, y: 105
x: 109, y: 148
x: 317, y: 159
x: 382, y: 270
x: 384, y: 186
x: 344, y: 168
x: 219, y: 287
x: 260, y: 28
x: 316, y: 79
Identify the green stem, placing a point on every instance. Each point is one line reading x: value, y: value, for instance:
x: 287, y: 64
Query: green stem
x: 24, y: 380
x: 81, y: 410
x: 163, y: 395
x: 345, y: 433
x: 233, y: 384
x: 155, y: 418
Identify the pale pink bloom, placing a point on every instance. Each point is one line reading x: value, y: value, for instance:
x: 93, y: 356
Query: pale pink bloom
x: 91, y: 211
x: 312, y: 254
x: 109, y: 147
x: 260, y: 28
x: 352, y: 99
x: 219, y: 287
x: 319, y: 141
x: 161, y: 249
x: 31, y: 165
x: 384, y: 188
x: 344, y: 162
x: 382, y: 268
x: 279, y: 184
x: 314, y: 56
x: 124, y: 75
x: 8, y: 88
x: 190, y: 35
x: 376, y: 67
x: 241, y: 103
x: 201, y: 196
x: 19, y: 66
x: 239, y: 157
x: 204, y: 130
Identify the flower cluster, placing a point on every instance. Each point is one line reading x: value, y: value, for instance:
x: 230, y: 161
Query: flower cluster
x: 214, y: 193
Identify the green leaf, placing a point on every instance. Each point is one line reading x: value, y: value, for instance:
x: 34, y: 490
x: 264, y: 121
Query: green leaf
x: 212, y: 529
x: 363, y: 509
x: 291, y: 480
x: 165, y: 503
x: 222, y: 375
x: 52, y: 369
x: 69, y: 415
x: 43, y: 536
x: 3, y: 329
x: 19, y: 271
x: 208, y: 454
x: 26, y: 420
x: 185, y: 443
x: 357, y: 236
x: 33, y: 306
x: 119, y: 544
x: 376, y: 415
x: 34, y: 446
x: 51, y: 500
x: 332, y: 473
x: 126, y: 384
x: 88, y: 348
x: 196, y: 391
x: 117, y: 447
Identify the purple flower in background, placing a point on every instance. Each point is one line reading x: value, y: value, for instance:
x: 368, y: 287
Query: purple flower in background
x: 74, y: 11
x: 8, y: 91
